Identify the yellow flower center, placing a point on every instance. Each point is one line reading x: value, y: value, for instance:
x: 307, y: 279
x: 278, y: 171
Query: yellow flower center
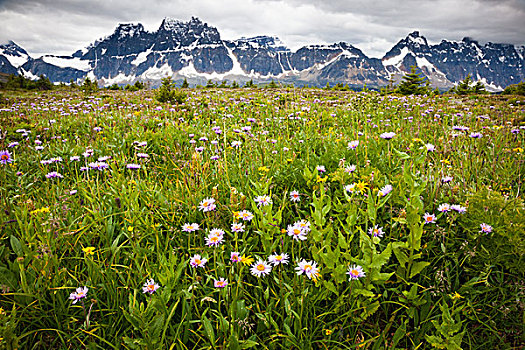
x: 4, y: 157
x: 260, y: 267
x: 307, y: 267
x: 354, y: 272
x: 296, y: 231
x: 278, y: 258
x: 151, y: 286
x: 197, y: 261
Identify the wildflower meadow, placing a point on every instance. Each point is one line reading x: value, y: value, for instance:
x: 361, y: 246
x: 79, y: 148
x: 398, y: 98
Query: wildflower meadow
x: 261, y: 219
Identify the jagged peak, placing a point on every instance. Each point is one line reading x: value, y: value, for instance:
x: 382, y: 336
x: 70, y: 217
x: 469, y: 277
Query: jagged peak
x: 416, y: 38
x: 13, y: 48
x: 171, y: 24
x: 128, y: 29
x: 265, y: 41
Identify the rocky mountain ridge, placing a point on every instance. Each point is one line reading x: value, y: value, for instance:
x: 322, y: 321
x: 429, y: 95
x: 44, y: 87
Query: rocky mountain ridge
x: 194, y: 51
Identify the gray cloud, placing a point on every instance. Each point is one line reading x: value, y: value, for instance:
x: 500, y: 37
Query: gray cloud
x: 374, y: 26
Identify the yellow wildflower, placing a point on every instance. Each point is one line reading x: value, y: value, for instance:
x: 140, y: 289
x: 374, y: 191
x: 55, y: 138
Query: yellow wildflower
x: 247, y: 260
x: 322, y: 179
x: 130, y: 228
x: 88, y: 250
x: 362, y: 186
x: 328, y: 331
x: 456, y: 295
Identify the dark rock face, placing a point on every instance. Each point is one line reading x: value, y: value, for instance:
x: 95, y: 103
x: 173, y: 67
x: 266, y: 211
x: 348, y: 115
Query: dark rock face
x: 195, y: 50
x: 496, y: 64
x: 6, y: 66
x: 56, y: 74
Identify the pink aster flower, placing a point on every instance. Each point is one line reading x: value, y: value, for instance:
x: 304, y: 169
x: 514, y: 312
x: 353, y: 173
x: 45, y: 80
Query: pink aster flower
x: 384, y: 191
x: 277, y: 259
x: 260, y: 268
x: 485, y: 228
x: 429, y: 218
x: 355, y: 272
x: 190, y: 227
x: 309, y: 268
x: 197, y: 261
x: 150, y: 286
x: 220, y: 283
x: 245, y: 215
x: 353, y: 144
x: 80, y: 293
x: 294, y: 196
x: 213, y: 240
x: 376, y: 231
x: 263, y: 201
x: 235, y: 257
x: 444, y: 207
x: 237, y: 227
x: 207, y: 204
x: 296, y: 232
x: 350, y: 168
x: 5, y: 157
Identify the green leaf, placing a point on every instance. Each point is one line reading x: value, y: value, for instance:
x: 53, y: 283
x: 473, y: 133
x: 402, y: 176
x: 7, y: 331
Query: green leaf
x: 208, y: 329
x: 400, y: 255
x: 246, y: 344
x: 381, y: 259
x: 401, y: 155
x: 417, y: 267
x: 17, y: 246
x: 330, y: 286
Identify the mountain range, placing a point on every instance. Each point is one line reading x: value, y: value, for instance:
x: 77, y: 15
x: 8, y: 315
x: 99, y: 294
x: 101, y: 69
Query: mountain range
x: 194, y: 50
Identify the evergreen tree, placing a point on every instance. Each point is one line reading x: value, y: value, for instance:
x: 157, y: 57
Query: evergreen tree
x: 515, y: 89
x: 272, y: 85
x: 139, y: 85
x: 249, y: 84
x: 168, y: 93
x: 479, y: 88
x: 463, y: 87
x: 89, y: 86
x: 210, y: 84
x: 185, y: 84
x: 43, y: 83
x: 235, y: 85
x: 413, y: 84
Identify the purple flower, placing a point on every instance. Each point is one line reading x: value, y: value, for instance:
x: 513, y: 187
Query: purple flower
x: 53, y: 175
x: 150, y: 287
x: 376, y: 231
x: 384, y: 191
x: 476, y: 135
x: 13, y: 144
x: 485, y: 228
x: 98, y: 165
x: 387, y: 135
x: 133, y: 166
x: 80, y: 293
x: 5, y: 157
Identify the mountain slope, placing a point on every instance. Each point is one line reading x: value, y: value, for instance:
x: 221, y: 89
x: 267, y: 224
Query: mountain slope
x: 195, y: 51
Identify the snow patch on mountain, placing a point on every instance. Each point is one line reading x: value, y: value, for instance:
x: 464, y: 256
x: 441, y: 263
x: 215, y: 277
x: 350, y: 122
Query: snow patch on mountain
x: 68, y: 62
x: 396, y: 60
x: 141, y: 57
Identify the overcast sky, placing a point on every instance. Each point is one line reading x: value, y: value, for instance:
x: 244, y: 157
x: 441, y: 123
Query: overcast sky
x: 374, y: 26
